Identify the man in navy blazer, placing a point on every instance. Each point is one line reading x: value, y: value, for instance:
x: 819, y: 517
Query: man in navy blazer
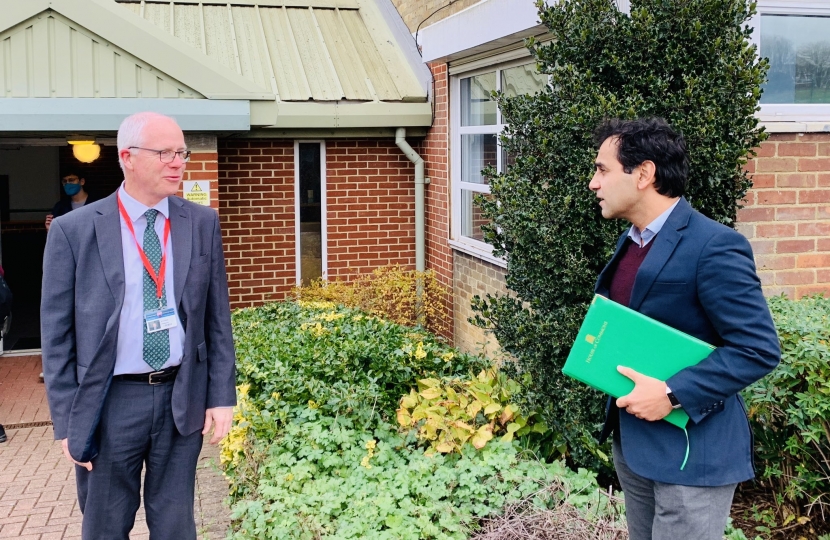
x: 683, y: 269
x: 138, y: 352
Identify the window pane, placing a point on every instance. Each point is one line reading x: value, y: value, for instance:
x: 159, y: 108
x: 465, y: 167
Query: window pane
x: 507, y: 159
x: 477, y: 109
x: 471, y: 216
x: 311, y: 231
x: 477, y: 152
x: 522, y: 80
x: 798, y: 48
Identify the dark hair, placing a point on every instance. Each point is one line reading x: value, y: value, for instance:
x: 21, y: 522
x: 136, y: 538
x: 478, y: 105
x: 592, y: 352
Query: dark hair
x: 650, y: 139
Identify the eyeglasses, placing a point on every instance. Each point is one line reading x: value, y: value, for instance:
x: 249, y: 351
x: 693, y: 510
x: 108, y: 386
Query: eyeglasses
x: 167, y: 156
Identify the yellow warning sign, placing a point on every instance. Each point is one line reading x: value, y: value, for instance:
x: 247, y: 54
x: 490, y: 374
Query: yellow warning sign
x: 195, y: 192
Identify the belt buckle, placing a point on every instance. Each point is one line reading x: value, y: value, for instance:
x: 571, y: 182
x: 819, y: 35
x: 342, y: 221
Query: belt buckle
x: 150, y: 378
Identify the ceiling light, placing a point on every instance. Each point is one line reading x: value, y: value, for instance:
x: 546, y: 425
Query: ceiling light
x: 85, y: 151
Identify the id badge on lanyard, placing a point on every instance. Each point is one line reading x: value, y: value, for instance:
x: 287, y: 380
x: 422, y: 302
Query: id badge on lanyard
x: 162, y: 318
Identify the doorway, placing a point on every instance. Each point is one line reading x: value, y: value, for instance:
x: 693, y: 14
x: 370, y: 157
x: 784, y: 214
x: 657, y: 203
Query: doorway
x: 30, y: 187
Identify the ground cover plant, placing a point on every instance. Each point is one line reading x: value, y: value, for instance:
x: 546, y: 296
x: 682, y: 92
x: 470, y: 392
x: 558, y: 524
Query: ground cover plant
x: 790, y: 415
x: 315, y: 450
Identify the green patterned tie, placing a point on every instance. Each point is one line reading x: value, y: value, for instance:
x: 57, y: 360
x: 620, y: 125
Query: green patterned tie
x: 157, y: 344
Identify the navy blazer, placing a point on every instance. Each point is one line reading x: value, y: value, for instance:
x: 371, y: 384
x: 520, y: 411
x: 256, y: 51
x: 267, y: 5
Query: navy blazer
x: 699, y: 277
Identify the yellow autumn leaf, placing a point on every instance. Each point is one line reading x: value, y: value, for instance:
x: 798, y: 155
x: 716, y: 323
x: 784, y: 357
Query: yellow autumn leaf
x: 444, y: 447
x: 507, y: 414
x: 473, y: 408
x: 403, y: 418
x: 484, y: 434
x: 431, y: 393
x: 409, y: 401
x: 492, y: 408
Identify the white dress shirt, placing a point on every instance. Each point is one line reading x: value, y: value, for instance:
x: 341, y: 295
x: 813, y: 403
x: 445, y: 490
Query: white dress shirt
x: 643, y: 238
x: 130, y: 349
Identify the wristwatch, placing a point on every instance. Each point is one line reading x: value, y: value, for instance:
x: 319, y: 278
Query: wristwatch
x: 675, y: 403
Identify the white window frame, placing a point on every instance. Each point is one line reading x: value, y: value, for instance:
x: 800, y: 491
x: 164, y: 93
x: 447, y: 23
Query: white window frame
x: 323, y: 209
x: 466, y: 244
x: 782, y: 117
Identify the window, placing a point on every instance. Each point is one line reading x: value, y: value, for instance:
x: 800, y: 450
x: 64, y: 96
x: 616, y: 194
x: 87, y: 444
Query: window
x: 476, y: 124
x: 798, y: 48
x: 795, y: 36
x: 310, y: 205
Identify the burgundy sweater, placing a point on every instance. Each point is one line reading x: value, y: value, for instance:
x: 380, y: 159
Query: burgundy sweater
x: 622, y: 281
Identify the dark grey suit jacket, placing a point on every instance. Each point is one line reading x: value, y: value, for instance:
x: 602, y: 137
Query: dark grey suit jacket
x: 83, y: 292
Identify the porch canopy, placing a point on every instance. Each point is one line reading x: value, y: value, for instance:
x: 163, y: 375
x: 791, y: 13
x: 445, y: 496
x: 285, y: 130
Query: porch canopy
x: 82, y: 65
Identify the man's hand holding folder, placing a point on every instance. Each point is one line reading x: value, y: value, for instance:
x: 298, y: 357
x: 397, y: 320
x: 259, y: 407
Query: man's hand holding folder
x: 648, y: 400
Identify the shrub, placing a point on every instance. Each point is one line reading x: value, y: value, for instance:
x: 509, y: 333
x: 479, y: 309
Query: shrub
x: 390, y: 292
x: 450, y: 414
x: 790, y: 408
x: 338, y: 359
x: 690, y: 62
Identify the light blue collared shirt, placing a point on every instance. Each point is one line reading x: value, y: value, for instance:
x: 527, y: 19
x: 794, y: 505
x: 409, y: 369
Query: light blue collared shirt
x: 130, y: 348
x: 643, y: 238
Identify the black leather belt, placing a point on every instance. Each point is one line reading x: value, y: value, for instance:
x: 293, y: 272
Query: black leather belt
x: 155, y: 377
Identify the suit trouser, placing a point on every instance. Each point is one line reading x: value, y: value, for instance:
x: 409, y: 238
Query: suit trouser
x: 137, y: 429
x: 658, y: 511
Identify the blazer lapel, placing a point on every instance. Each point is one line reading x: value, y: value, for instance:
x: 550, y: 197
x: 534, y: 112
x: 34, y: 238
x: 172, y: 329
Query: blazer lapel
x: 664, y: 245
x: 181, y: 230
x: 108, y: 235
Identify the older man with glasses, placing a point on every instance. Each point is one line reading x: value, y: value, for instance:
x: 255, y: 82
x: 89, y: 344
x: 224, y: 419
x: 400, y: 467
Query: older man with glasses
x: 136, y: 336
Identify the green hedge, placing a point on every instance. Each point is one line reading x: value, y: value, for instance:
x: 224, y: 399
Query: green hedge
x: 790, y: 408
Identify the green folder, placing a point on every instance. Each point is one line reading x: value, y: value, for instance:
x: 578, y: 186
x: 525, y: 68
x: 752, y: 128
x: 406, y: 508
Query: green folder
x: 613, y: 335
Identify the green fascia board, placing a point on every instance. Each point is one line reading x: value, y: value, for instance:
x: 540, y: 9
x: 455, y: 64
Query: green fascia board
x: 101, y: 115
x: 317, y: 115
x: 145, y: 41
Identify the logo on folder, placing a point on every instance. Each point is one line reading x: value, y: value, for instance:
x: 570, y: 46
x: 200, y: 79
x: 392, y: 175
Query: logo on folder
x: 590, y: 339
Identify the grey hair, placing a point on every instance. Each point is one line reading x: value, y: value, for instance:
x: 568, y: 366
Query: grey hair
x: 131, y: 131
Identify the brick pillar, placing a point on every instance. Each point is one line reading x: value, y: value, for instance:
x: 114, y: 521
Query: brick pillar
x: 786, y: 215
x: 204, y: 164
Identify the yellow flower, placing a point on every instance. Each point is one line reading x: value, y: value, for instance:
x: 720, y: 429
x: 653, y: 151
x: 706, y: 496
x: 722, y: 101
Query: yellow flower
x: 420, y: 353
x: 447, y: 356
x: 313, y: 404
x: 275, y: 396
x: 365, y: 462
x: 370, y: 445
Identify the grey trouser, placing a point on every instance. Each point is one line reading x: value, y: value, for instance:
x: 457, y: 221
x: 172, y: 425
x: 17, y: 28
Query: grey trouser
x: 137, y: 430
x: 658, y: 511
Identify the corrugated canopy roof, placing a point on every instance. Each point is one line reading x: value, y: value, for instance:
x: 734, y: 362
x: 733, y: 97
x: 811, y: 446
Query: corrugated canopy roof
x: 320, y: 50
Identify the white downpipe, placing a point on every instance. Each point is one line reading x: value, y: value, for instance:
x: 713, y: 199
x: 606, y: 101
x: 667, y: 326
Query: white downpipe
x: 420, y: 198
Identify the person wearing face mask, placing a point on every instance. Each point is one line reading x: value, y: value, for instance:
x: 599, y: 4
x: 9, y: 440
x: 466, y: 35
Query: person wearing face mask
x: 73, y: 186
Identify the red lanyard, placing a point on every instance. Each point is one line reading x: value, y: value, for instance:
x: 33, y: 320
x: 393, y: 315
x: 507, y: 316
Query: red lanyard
x: 158, y: 279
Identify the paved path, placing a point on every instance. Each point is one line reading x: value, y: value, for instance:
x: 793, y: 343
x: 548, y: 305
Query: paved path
x: 37, y: 485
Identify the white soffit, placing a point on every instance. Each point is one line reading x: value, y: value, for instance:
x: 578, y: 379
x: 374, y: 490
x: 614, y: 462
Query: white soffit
x: 486, y: 25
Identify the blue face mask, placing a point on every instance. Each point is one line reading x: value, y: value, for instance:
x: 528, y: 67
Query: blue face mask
x: 72, y: 189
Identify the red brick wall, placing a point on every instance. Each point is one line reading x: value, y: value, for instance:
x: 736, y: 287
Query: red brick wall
x: 786, y: 215
x: 435, y: 150
x: 370, y: 207
x: 256, y: 209
x: 370, y: 212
